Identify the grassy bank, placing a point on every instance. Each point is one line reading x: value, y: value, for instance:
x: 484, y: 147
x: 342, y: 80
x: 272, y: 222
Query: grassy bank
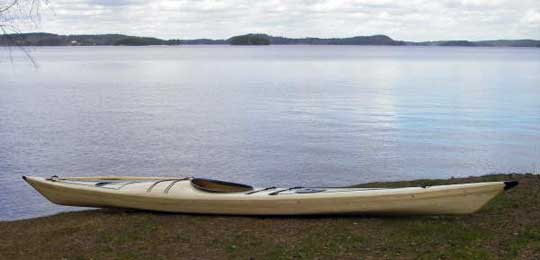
x: 509, y: 227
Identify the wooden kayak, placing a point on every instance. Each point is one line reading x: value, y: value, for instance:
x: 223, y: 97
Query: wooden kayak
x: 203, y: 196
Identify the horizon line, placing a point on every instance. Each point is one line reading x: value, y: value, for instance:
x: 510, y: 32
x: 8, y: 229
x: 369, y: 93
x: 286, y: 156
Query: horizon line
x: 305, y: 37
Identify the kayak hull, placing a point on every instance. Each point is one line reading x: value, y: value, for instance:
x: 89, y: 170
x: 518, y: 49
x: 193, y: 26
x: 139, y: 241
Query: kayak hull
x: 184, y: 198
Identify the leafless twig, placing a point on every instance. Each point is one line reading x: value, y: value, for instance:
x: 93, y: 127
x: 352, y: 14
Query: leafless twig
x: 12, y: 13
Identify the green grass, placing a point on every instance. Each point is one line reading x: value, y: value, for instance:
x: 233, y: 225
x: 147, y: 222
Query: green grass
x: 507, y: 228
x: 529, y: 239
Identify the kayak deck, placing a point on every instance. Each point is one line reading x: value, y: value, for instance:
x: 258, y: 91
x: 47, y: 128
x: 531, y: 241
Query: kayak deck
x: 195, y: 195
x: 201, y: 184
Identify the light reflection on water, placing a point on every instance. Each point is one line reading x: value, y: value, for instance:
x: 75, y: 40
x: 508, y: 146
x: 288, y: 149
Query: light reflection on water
x: 275, y: 115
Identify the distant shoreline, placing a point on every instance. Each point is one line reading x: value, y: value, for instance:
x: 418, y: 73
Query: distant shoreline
x: 49, y: 39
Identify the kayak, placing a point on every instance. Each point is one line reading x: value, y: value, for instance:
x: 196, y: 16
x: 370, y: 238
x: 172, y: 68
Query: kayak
x: 205, y: 196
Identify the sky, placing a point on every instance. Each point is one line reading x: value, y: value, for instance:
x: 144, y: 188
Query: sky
x: 411, y: 20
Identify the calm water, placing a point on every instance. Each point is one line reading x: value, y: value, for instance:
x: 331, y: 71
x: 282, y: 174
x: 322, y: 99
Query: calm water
x: 277, y: 115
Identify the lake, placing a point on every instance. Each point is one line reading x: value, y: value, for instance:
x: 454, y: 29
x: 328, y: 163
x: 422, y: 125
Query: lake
x: 272, y: 115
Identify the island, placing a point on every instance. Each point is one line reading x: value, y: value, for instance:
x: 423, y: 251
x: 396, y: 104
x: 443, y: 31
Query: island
x: 250, y: 39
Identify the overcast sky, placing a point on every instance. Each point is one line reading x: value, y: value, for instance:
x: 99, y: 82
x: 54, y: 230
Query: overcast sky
x: 404, y: 20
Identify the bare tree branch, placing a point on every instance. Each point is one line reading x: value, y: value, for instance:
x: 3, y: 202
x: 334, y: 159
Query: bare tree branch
x: 12, y: 13
x: 9, y: 6
x: 11, y: 38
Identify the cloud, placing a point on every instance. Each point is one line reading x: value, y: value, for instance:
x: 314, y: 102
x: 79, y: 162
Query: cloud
x: 532, y: 18
x: 407, y: 20
x: 115, y: 2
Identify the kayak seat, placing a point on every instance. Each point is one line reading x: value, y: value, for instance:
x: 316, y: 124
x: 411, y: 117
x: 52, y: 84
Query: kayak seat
x: 102, y: 183
x: 219, y: 186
